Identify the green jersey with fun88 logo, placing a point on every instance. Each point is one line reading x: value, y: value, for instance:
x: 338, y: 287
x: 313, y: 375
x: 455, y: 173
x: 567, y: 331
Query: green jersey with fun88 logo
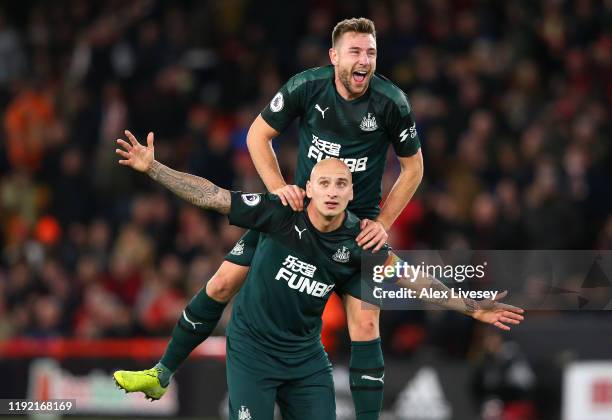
x: 357, y: 132
x: 294, y: 270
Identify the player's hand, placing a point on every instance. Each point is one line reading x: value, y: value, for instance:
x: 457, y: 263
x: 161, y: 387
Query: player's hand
x: 291, y: 195
x: 373, y: 234
x: 491, y: 311
x: 135, y: 154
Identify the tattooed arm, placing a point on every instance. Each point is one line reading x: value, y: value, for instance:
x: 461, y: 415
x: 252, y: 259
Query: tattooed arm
x: 439, y: 294
x: 196, y: 190
x: 489, y: 311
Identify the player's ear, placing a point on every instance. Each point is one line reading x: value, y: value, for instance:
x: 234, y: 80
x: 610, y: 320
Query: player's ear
x: 308, y: 189
x: 333, y: 56
x: 351, y: 195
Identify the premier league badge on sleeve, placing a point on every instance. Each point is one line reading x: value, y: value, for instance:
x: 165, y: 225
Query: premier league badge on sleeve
x: 251, y: 199
x: 277, y: 102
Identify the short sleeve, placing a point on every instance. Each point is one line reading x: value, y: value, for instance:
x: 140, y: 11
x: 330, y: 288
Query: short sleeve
x: 286, y: 105
x: 261, y: 212
x: 402, y: 128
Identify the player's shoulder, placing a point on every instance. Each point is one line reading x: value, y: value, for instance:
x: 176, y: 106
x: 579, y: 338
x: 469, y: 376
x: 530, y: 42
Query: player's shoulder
x: 352, y: 225
x: 275, y: 202
x: 350, y: 228
x: 385, y: 90
x: 283, y: 215
x: 352, y: 222
x: 313, y: 75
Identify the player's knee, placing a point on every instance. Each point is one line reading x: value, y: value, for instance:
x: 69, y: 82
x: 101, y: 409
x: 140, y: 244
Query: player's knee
x: 224, y: 285
x: 365, y: 328
x: 221, y: 288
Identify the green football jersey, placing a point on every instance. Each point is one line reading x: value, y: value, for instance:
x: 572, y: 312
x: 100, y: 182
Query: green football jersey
x: 294, y: 270
x: 357, y: 132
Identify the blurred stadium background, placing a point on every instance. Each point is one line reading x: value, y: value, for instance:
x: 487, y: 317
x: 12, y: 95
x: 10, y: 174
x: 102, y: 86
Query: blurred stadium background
x: 513, y: 105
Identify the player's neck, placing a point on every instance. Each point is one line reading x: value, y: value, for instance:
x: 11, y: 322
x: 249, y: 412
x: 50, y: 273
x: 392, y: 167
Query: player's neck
x: 322, y: 223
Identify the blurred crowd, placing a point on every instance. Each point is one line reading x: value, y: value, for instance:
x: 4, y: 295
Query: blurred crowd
x: 512, y: 102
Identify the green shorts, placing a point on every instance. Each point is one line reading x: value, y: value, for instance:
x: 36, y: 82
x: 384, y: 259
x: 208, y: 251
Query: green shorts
x: 304, y: 390
x: 242, y: 253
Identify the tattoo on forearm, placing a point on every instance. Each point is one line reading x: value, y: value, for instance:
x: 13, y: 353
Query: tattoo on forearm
x: 465, y: 305
x: 446, y: 299
x: 437, y: 286
x: 470, y: 305
x: 196, y: 190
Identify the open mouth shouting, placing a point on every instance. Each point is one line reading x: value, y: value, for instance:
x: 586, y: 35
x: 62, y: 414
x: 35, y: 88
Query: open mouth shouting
x: 359, y: 76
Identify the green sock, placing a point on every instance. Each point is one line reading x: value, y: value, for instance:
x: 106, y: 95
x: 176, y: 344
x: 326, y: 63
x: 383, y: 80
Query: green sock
x: 367, y: 374
x: 196, y: 323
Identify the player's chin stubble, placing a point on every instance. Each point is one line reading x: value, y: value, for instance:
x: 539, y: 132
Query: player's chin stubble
x: 345, y: 78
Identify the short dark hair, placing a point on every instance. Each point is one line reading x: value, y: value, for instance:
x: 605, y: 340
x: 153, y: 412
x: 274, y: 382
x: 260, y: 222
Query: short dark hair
x: 360, y: 25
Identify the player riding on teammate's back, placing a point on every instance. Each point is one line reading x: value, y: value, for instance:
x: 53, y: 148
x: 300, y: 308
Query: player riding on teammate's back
x: 348, y: 112
x: 274, y: 352
x: 345, y: 111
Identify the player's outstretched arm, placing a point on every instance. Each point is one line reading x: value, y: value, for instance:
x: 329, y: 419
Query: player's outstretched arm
x: 490, y: 311
x: 196, y: 190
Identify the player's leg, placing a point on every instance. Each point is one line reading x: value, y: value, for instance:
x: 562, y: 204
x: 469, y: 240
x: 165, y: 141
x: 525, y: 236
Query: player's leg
x: 309, y: 398
x: 202, y: 314
x: 251, y: 394
x: 367, y: 366
x: 224, y: 285
x: 197, y: 321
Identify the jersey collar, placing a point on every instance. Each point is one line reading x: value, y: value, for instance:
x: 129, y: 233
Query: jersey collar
x: 312, y: 228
